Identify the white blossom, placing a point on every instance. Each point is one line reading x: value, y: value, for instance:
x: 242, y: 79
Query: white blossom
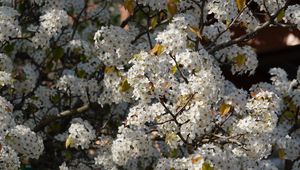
x: 8, y: 158
x: 25, y: 141
x: 81, y: 133
x: 292, y: 15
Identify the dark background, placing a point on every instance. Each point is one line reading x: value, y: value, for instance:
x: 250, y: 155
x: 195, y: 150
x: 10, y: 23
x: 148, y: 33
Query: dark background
x: 273, y: 51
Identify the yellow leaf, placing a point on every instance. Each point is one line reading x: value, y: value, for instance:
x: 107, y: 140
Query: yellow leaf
x: 227, y: 22
x: 0, y: 147
x: 240, y: 4
x: 182, y: 100
x: 124, y: 86
x: 280, y: 15
x: 151, y: 88
x: 292, y: 107
x: 196, y: 159
x: 129, y: 5
x: 170, y: 137
x: 69, y: 141
x: 191, y: 45
x: 172, y: 7
x: 225, y: 109
x: 157, y: 49
x: 173, y: 69
x: 196, y: 31
x: 206, y: 166
x: 154, y: 22
x: 240, y: 60
x: 8, y: 138
x: 109, y: 70
x: 67, y: 155
x: 281, y: 154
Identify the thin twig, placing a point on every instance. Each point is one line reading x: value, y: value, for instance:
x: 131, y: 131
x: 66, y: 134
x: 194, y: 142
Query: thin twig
x: 76, y: 21
x: 231, y: 23
x: 179, y: 70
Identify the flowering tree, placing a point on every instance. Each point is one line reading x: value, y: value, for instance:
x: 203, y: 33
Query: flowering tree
x: 82, y: 90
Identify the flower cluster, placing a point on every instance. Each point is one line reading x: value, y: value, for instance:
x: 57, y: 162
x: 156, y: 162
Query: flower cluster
x: 8, y: 158
x: 144, y: 92
x: 81, y: 133
x: 26, y: 142
x: 292, y: 15
x: 16, y: 139
x: 51, y: 23
x: 9, y: 25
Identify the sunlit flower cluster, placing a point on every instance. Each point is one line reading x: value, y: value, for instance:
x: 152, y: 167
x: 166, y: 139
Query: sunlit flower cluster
x: 82, y: 89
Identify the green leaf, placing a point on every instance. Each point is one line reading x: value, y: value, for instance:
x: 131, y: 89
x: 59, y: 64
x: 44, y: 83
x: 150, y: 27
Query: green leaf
x: 115, y: 19
x: 154, y: 22
x: 31, y: 108
x: 58, y: 53
x: 71, y: 10
x: 292, y: 107
x: 9, y: 48
x: 289, y: 114
x: 83, y: 58
x: 281, y: 154
x: 240, y: 60
x: 81, y: 73
x: 124, y: 86
x: 55, y: 98
x: 8, y: 138
x: 207, y: 166
x: 54, y: 127
x: 280, y: 15
x: 67, y: 155
x: 174, y: 153
x: 191, y: 45
x: 21, y: 7
x: 90, y: 38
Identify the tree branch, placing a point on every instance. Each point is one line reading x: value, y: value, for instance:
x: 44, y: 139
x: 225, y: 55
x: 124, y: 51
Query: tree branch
x: 67, y: 113
x: 249, y: 35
